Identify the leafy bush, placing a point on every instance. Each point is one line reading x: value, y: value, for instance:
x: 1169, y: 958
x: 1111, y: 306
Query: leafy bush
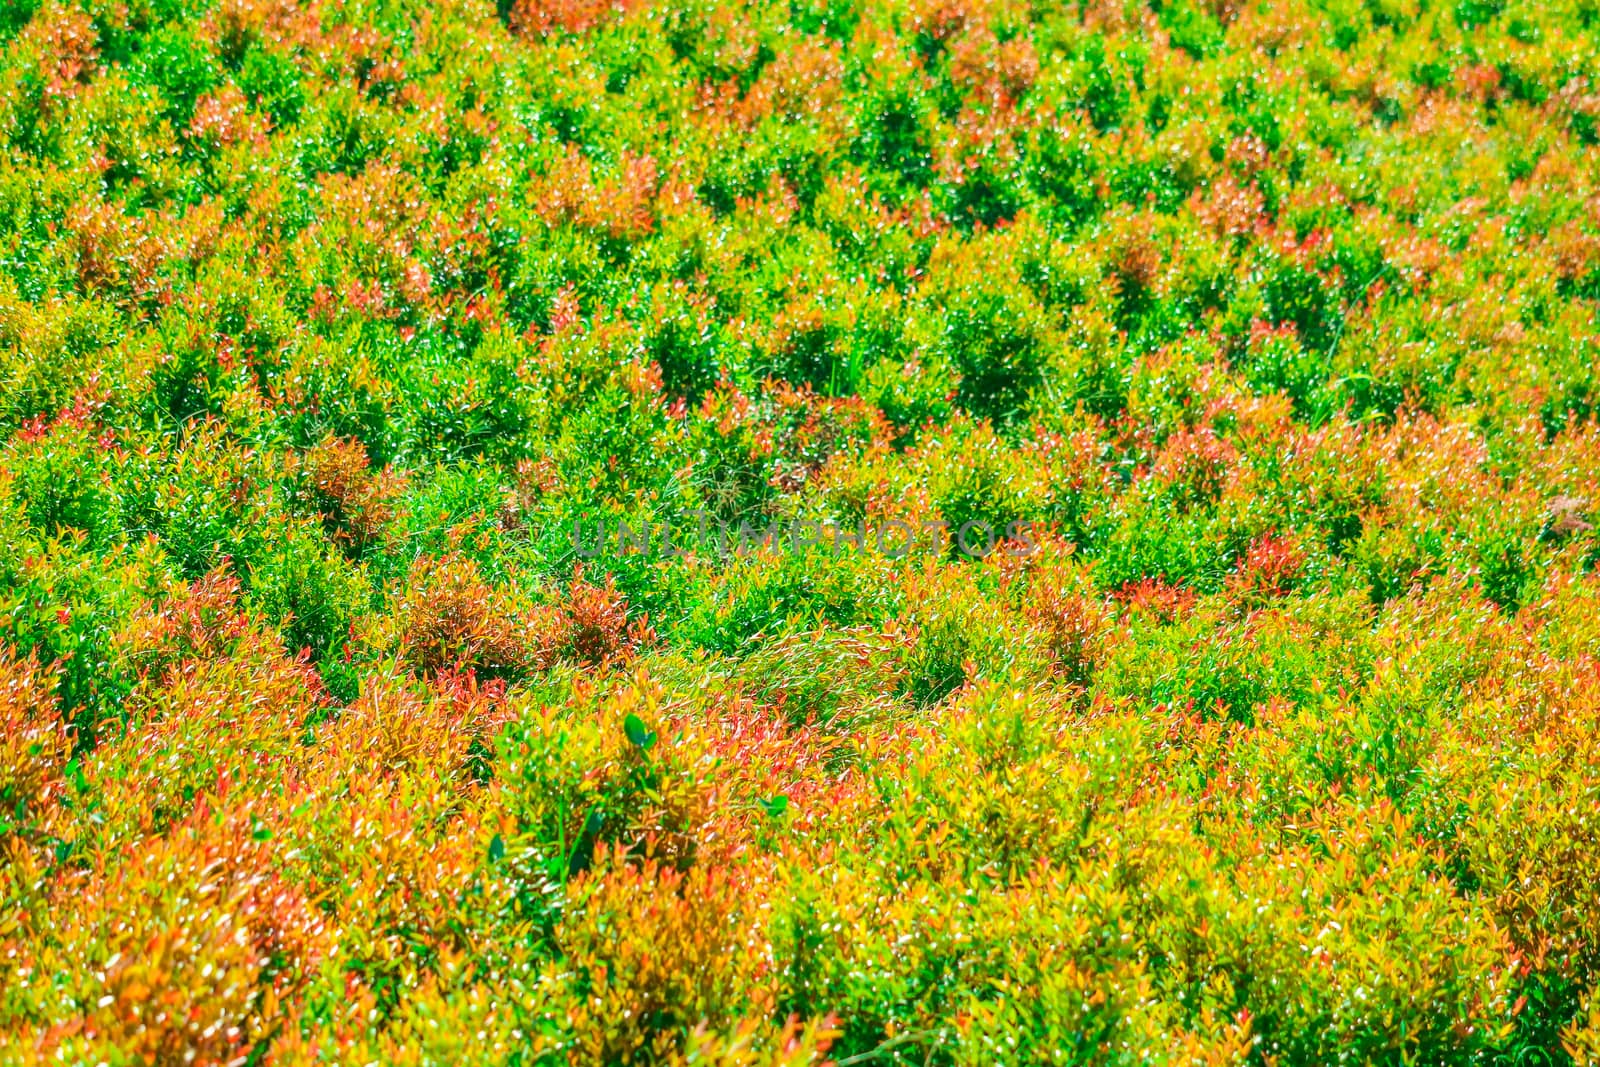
x: 1110, y: 495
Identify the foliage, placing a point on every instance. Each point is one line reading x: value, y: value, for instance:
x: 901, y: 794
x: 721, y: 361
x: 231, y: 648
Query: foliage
x: 446, y: 457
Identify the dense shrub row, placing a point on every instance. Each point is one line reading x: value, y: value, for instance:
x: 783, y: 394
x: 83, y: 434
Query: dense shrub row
x: 325, y: 324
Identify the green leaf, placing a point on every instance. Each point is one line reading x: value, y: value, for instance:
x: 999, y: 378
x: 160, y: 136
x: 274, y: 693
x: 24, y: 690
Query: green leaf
x: 776, y: 806
x: 497, y: 849
x: 642, y: 737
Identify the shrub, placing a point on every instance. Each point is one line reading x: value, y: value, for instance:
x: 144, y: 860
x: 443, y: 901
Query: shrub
x: 355, y: 502
x: 450, y: 617
x: 1251, y: 346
